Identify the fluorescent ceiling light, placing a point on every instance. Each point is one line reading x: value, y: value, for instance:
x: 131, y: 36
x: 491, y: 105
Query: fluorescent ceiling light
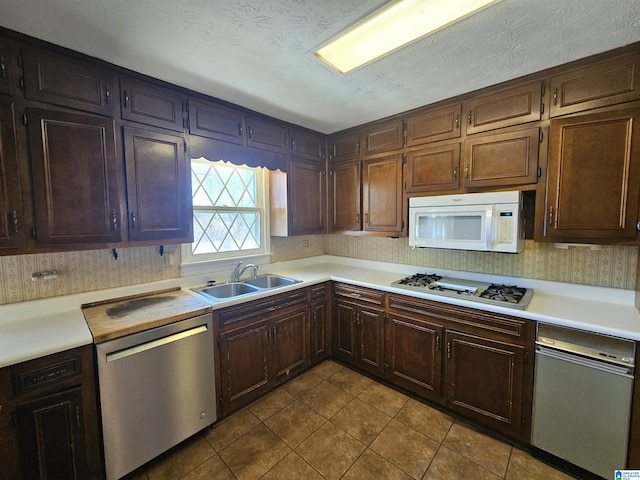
x: 396, y: 25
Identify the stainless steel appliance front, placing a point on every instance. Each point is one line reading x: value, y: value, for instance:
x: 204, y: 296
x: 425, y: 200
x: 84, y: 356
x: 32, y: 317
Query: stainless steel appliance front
x: 156, y: 390
x: 582, y: 397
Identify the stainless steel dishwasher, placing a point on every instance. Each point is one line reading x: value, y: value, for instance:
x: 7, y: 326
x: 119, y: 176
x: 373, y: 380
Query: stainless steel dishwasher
x: 156, y: 389
x: 582, y: 397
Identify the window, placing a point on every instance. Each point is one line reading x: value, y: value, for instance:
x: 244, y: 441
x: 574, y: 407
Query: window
x: 228, y: 211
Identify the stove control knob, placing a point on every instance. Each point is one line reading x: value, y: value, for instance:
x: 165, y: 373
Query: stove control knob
x: 625, y: 359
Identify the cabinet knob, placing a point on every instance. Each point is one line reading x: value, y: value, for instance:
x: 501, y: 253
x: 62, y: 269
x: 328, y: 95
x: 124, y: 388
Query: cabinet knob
x: 133, y: 219
x: 126, y: 98
x: 3, y: 67
x: 448, y: 349
x: 107, y: 94
x: 550, y: 214
x: 455, y: 172
x: 14, y: 221
x: 466, y: 170
x: 469, y: 118
x: 250, y: 131
x: 457, y: 123
x: 240, y: 131
x: 114, y: 220
x: 555, y: 96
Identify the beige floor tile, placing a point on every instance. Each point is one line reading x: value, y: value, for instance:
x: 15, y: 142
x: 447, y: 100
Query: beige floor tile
x: 229, y: 429
x: 372, y: 466
x: 181, y: 459
x: 271, y: 404
x: 295, y: 422
x: 326, y: 399
x: 302, y: 384
x: 523, y: 466
x: 488, y: 452
x: 406, y: 448
x: 212, y: 468
x: 292, y: 467
x: 361, y: 420
x: 350, y: 381
x: 425, y: 419
x: 255, y: 453
x: 138, y: 474
x: 326, y: 369
x: 448, y: 464
x: 383, y: 398
x: 330, y: 451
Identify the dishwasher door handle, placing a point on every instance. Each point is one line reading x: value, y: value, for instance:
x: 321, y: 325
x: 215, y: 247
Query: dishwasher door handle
x: 584, y: 361
x: 143, y: 347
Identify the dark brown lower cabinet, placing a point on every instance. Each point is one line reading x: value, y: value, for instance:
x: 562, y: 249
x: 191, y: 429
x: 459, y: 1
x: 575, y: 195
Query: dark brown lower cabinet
x: 261, y: 344
x: 414, y: 360
x: 484, y: 380
x: 320, y: 320
x: 49, y: 419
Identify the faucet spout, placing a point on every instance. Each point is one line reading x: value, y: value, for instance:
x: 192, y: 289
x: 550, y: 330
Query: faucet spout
x: 237, y: 272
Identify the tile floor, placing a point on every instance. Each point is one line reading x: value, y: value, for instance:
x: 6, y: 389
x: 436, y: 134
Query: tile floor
x: 333, y: 423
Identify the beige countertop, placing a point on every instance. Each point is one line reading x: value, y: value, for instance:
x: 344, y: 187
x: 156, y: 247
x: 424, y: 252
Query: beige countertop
x: 41, y: 327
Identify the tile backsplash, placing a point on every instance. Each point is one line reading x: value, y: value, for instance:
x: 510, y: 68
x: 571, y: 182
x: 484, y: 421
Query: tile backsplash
x: 89, y: 270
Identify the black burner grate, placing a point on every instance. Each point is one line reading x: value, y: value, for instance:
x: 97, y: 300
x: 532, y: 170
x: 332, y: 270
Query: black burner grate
x: 420, y: 279
x: 504, y: 293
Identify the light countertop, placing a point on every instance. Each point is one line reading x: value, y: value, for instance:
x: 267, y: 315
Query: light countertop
x: 41, y: 327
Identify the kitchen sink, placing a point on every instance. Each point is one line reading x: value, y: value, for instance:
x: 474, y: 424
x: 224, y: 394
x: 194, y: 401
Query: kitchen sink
x: 270, y: 281
x: 227, y: 290
x: 260, y: 283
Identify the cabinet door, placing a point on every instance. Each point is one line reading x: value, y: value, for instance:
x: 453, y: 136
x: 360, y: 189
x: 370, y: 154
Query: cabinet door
x: 502, y: 159
x: 307, y: 145
x: 484, y: 380
x: 5, y: 67
x: 12, y: 221
x: 344, y: 330
x: 152, y: 105
x: 244, y: 364
x: 266, y: 135
x: 370, y: 331
x: 385, y: 137
x: 290, y: 338
x: 413, y: 355
x: 214, y: 121
x: 344, y: 146
x: 158, y: 186
x: 307, y: 197
x: 599, y: 84
x: 434, y: 125
x: 345, y: 202
x: 52, y: 437
x: 75, y: 178
x: 320, y: 331
x: 382, y: 194
x: 504, y: 108
x: 594, y: 177
x: 433, y: 169
x: 62, y: 81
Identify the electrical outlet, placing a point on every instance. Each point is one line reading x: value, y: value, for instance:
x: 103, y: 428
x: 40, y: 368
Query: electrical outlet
x: 305, y: 243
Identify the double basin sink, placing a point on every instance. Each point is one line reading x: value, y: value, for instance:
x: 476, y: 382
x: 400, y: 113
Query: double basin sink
x: 257, y: 284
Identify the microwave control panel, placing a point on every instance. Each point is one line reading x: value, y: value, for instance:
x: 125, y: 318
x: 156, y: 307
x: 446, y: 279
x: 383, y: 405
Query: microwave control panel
x: 506, y: 227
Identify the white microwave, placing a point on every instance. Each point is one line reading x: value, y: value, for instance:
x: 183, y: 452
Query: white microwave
x: 489, y: 221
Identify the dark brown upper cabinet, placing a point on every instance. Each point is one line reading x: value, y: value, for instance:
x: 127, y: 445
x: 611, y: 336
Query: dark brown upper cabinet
x: 58, y: 80
x: 433, y: 168
x: 210, y: 120
x: 345, y: 199
x: 158, y: 186
x: 434, y: 125
x: 12, y: 226
x: 596, y: 85
x: 307, y: 197
x: 382, y: 194
x: 593, y: 177
x: 344, y: 146
x: 150, y: 104
x: 504, y: 108
x: 383, y: 137
x: 501, y: 159
x: 75, y: 178
x: 267, y: 135
x: 307, y: 145
x: 5, y: 67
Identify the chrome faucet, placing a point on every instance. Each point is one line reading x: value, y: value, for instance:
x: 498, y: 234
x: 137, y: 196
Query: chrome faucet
x: 237, y: 273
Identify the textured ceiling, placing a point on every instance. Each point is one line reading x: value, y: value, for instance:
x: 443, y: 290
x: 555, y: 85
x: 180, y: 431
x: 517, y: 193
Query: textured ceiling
x: 258, y: 53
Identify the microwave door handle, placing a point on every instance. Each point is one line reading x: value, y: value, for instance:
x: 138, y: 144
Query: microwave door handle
x: 489, y: 222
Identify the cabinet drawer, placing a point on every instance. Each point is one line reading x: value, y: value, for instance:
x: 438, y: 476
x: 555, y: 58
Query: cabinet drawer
x: 46, y: 372
x: 256, y: 309
x: 476, y: 321
x: 318, y: 291
x: 358, y: 293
